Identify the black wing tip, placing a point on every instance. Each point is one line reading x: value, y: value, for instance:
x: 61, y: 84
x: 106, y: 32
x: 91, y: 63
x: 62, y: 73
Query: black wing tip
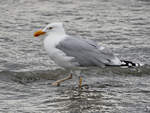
x: 130, y: 64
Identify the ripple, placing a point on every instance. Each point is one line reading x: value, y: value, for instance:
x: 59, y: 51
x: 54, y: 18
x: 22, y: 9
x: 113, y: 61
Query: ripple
x: 26, y: 71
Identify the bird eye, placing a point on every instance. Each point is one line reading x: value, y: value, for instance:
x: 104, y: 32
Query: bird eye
x: 50, y: 28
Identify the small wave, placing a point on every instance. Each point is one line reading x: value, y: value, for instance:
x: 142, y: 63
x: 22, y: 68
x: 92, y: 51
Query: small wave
x: 31, y: 76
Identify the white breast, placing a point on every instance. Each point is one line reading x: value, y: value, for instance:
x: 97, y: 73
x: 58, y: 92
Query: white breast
x: 58, y: 56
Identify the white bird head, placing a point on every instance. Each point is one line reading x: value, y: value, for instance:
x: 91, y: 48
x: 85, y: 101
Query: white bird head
x: 52, y: 28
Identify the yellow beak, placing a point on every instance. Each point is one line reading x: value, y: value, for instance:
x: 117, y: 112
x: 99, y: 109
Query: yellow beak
x: 38, y: 33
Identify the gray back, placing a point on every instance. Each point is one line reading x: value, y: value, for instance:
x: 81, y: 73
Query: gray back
x: 85, y: 52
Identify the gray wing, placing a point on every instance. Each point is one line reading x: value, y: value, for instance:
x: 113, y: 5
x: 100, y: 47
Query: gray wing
x: 86, y: 52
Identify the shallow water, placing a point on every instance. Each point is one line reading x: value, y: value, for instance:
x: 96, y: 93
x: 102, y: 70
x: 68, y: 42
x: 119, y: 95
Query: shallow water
x: 26, y: 71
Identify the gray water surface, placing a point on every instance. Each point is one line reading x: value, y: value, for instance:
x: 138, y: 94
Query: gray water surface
x: 26, y: 71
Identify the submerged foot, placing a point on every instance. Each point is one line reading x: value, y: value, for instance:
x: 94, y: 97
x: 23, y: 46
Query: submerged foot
x: 56, y: 83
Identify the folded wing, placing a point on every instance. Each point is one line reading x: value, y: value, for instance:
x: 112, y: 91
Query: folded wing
x: 87, y: 53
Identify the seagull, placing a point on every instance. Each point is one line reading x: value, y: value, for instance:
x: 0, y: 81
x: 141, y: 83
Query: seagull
x: 70, y: 51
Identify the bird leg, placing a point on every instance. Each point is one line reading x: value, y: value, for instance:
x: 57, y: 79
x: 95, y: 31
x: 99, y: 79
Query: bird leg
x: 78, y: 73
x: 80, y: 82
x: 57, y: 83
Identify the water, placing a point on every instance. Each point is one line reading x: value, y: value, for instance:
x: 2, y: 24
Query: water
x: 26, y: 70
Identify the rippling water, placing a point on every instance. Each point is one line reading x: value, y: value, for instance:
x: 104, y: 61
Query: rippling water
x: 26, y: 70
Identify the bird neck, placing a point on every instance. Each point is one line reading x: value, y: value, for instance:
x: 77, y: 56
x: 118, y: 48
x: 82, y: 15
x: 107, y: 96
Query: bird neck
x: 54, y: 38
